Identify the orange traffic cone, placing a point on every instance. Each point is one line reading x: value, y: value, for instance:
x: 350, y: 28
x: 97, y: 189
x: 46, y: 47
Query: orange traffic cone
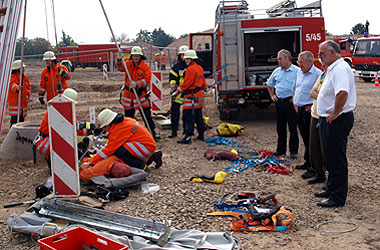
x: 376, y: 82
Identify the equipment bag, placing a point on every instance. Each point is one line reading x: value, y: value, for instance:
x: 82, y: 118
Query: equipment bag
x: 229, y: 129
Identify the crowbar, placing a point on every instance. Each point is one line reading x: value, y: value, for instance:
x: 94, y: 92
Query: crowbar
x: 126, y: 70
x: 19, y: 203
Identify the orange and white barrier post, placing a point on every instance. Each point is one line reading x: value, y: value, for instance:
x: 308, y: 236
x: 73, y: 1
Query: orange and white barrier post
x: 63, y: 147
x: 156, y: 94
x: 105, y: 73
x: 376, y: 82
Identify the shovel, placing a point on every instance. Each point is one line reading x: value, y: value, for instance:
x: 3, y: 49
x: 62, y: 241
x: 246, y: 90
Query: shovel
x: 19, y: 203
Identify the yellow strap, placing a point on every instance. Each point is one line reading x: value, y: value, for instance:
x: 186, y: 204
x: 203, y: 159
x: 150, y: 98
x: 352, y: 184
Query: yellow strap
x: 173, y: 73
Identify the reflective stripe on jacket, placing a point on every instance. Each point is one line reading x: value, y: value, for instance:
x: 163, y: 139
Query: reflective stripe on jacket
x: 130, y: 134
x: 142, y: 75
x: 13, y: 95
x: 194, y: 79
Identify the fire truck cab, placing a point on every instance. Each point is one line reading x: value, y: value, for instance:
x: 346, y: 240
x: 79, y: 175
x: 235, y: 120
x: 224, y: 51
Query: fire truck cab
x: 366, y: 58
x: 245, y: 46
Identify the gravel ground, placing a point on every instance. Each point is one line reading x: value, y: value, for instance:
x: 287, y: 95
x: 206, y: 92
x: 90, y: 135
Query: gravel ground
x: 186, y: 203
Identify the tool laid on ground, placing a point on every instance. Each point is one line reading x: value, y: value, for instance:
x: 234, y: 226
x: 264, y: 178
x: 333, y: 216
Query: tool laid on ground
x: 112, y: 222
x: 19, y: 203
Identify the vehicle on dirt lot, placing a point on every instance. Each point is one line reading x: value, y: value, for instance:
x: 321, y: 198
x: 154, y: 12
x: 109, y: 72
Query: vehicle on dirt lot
x: 366, y: 58
x: 89, y: 55
x: 346, y: 48
x: 248, y: 45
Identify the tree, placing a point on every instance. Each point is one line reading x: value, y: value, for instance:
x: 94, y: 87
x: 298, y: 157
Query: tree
x: 67, y: 40
x: 358, y: 29
x: 160, y: 38
x: 123, y: 38
x: 34, y: 46
x: 183, y: 36
x: 143, y: 36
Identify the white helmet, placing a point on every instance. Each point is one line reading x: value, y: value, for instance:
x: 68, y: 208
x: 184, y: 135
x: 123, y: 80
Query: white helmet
x: 136, y: 50
x: 182, y: 49
x: 71, y: 93
x: 191, y: 54
x: 49, y: 56
x: 106, y: 117
x: 17, y: 64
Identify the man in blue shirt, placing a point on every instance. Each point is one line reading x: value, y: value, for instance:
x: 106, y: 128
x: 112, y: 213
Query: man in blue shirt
x: 280, y: 87
x: 302, y: 101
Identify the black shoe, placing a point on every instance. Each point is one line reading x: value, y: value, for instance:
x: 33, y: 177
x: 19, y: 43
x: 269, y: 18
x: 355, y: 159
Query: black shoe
x: 317, y: 179
x: 185, y: 140
x: 200, y: 137
x: 322, y: 194
x: 278, y: 153
x: 157, y: 158
x: 329, y: 203
x: 293, y: 156
x: 301, y: 167
x: 308, y: 174
x: 172, y: 134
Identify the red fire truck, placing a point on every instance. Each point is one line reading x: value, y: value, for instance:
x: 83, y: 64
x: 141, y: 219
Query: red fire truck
x: 89, y: 55
x: 245, y: 46
x: 347, y: 48
x: 366, y: 58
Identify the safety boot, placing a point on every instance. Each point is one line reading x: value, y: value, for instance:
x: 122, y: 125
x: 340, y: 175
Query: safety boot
x: 185, y: 140
x: 157, y: 158
x: 200, y: 137
x: 172, y: 134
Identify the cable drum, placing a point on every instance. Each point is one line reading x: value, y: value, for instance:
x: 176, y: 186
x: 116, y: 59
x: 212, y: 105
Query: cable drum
x: 324, y: 232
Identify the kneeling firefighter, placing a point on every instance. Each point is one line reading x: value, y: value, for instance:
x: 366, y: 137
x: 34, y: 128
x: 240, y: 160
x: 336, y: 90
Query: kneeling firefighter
x: 128, y: 140
x: 42, y: 143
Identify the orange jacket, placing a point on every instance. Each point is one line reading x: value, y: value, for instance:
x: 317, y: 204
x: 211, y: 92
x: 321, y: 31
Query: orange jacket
x: 101, y: 168
x: 140, y: 73
x: 13, y: 95
x: 194, y: 80
x: 130, y: 134
x: 43, y: 144
x: 46, y: 85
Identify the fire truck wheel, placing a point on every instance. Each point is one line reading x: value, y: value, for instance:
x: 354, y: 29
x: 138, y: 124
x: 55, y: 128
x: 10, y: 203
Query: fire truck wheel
x: 367, y: 79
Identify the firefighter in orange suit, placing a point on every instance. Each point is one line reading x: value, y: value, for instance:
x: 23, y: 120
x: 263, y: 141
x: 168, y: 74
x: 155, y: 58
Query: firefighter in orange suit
x: 192, y: 87
x: 13, y: 94
x: 141, y: 75
x: 59, y: 73
x: 42, y: 143
x: 128, y: 140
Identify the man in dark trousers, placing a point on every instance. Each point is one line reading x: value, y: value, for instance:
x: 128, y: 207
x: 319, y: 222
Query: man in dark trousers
x: 335, y: 102
x: 302, y: 101
x: 177, y: 74
x: 280, y: 86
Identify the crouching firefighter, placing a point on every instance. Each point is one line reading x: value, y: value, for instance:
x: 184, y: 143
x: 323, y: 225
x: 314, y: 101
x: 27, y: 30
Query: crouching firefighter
x: 128, y: 140
x: 42, y: 143
x: 192, y: 88
x: 141, y: 75
x: 177, y: 74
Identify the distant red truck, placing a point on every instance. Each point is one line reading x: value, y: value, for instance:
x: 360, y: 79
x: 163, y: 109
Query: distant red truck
x: 89, y: 55
x: 366, y: 58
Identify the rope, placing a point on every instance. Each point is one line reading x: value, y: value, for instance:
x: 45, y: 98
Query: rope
x: 323, y: 232
x: 212, y: 142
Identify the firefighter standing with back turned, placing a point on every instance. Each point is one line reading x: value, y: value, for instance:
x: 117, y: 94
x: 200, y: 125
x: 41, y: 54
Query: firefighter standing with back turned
x: 54, y: 70
x: 140, y: 75
x: 177, y: 74
x: 13, y: 93
x: 192, y: 87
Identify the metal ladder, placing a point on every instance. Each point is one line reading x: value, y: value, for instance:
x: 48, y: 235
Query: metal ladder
x: 10, y: 12
x: 228, y: 18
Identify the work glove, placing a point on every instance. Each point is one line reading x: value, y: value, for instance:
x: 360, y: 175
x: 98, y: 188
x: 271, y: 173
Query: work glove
x: 119, y: 56
x: 41, y: 99
x: 62, y: 72
x: 133, y: 84
x: 217, y: 178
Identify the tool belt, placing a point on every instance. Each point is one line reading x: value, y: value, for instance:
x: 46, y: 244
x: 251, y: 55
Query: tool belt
x: 139, y: 91
x: 192, y: 91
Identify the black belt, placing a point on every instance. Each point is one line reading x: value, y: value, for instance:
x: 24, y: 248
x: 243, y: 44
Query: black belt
x: 284, y: 99
x: 304, y: 106
x: 343, y: 114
